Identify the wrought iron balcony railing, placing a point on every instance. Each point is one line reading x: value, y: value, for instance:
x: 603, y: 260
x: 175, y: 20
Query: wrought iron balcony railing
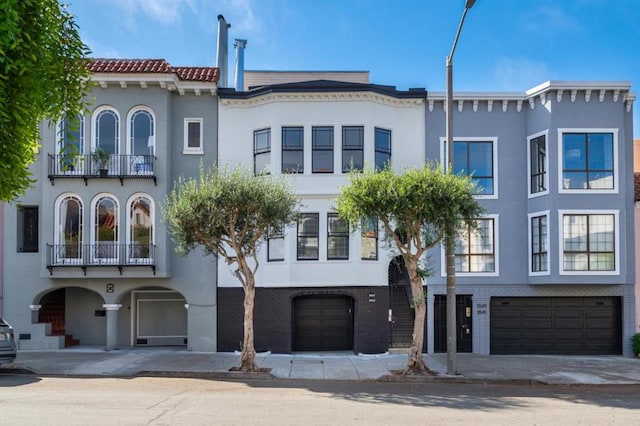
x: 88, y: 166
x: 100, y: 254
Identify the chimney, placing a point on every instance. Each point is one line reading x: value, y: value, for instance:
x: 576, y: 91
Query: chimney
x: 222, y: 57
x: 238, y: 77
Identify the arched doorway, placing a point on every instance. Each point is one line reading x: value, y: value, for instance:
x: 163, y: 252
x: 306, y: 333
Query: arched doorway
x: 75, y: 313
x: 402, y: 314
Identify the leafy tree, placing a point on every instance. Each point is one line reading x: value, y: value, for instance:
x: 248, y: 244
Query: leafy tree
x: 415, y: 208
x: 228, y: 213
x: 43, y: 75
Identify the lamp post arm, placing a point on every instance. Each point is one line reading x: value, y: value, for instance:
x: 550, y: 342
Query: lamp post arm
x: 455, y: 40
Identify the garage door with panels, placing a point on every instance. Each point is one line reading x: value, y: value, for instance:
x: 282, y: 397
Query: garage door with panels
x: 322, y: 323
x: 556, y: 325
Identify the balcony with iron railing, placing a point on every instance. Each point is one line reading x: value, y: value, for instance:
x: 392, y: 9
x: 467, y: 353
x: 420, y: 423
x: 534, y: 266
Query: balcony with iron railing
x: 89, y: 166
x: 100, y: 254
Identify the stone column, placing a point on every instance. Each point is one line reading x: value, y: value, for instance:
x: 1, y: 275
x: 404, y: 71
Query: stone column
x: 34, y: 313
x: 112, y: 325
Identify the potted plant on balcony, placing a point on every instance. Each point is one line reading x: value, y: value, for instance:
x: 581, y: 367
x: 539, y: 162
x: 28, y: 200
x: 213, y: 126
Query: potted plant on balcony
x: 101, y: 160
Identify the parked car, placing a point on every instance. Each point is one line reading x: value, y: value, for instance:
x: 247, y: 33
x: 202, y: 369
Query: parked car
x: 7, y: 343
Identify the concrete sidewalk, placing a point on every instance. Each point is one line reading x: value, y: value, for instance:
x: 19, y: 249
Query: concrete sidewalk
x: 177, y: 362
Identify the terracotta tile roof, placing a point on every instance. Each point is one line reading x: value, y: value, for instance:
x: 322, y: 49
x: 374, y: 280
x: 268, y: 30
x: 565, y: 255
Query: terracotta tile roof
x: 153, y: 66
x: 636, y: 187
x: 198, y: 73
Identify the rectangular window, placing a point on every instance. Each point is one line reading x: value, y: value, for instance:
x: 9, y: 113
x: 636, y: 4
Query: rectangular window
x: 27, y: 224
x: 475, y: 248
x: 193, y: 136
x: 382, y: 148
x: 539, y: 250
x: 588, y: 242
x: 475, y: 159
x: 537, y: 164
x: 587, y: 161
x: 262, y: 151
x: 292, y: 150
x: 322, y: 149
x: 352, y: 148
x: 308, y: 236
x: 369, y: 239
x: 337, y: 237
x: 275, y: 244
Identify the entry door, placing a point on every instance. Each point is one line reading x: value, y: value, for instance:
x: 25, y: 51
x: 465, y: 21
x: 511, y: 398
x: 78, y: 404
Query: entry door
x: 464, y: 320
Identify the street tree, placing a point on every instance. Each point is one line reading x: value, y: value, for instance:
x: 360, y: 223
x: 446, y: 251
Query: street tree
x: 228, y: 212
x: 43, y: 75
x: 415, y: 207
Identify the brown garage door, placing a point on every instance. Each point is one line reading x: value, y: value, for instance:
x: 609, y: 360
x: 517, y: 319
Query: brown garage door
x: 322, y: 323
x: 556, y: 325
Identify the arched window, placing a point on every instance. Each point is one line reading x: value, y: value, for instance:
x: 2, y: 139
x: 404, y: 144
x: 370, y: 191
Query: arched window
x: 68, y: 237
x: 140, y: 230
x: 107, y: 130
x: 70, y: 144
x: 105, y: 229
x: 141, y: 133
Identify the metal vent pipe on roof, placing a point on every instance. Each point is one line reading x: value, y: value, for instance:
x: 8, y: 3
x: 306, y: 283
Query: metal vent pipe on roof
x: 239, y: 69
x: 222, y: 56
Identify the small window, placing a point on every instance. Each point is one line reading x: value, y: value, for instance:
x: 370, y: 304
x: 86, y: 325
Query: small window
x: 275, y: 244
x: 539, y: 250
x: 337, y: 237
x: 193, y: 136
x: 538, y: 165
x: 322, y: 146
x: 382, y: 148
x: 27, y: 229
x: 475, y: 248
x: 308, y: 236
x: 369, y: 239
x: 262, y: 151
x: 292, y: 150
x: 352, y: 148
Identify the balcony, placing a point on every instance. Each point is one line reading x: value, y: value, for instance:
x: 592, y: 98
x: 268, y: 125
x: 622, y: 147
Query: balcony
x: 104, y: 254
x: 86, y: 166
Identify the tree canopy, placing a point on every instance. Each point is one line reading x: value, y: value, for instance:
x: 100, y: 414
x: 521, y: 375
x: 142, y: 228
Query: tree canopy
x: 43, y: 75
x: 227, y: 212
x: 415, y: 208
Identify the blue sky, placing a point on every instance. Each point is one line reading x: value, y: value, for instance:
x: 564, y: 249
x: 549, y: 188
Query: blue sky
x: 506, y: 45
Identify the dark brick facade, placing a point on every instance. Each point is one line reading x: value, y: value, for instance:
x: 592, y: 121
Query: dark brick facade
x: 273, y: 317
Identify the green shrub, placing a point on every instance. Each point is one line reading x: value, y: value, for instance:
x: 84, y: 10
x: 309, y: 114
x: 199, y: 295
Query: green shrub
x: 635, y: 343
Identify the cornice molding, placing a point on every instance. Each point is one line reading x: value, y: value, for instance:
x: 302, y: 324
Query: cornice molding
x: 168, y: 82
x: 322, y: 97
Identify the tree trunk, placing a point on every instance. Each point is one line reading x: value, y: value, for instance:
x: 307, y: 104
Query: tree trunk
x: 415, y: 362
x: 248, y: 357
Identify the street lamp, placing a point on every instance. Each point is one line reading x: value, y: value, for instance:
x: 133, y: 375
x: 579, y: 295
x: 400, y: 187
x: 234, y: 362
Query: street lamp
x: 450, y: 252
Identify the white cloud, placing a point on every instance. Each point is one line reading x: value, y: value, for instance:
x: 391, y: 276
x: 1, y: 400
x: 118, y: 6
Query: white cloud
x: 519, y: 74
x: 548, y: 17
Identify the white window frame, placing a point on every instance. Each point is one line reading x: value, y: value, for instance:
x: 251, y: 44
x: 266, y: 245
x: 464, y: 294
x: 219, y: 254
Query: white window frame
x: 59, y: 141
x: 56, y: 236
x: 152, y: 215
x: 616, y: 230
x: 494, y: 141
x: 496, y: 252
x: 547, y: 242
x: 94, y: 127
x: 94, y: 259
x: 544, y: 133
x: 186, y: 149
x: 616, y: 165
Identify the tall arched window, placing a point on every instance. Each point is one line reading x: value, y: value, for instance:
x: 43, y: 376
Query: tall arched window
x: 105, y: 229
x: 70, y: 144
x: 68, y: 237
x: 140, y: 230
x: 141, y: 132
x: 107, y: 130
